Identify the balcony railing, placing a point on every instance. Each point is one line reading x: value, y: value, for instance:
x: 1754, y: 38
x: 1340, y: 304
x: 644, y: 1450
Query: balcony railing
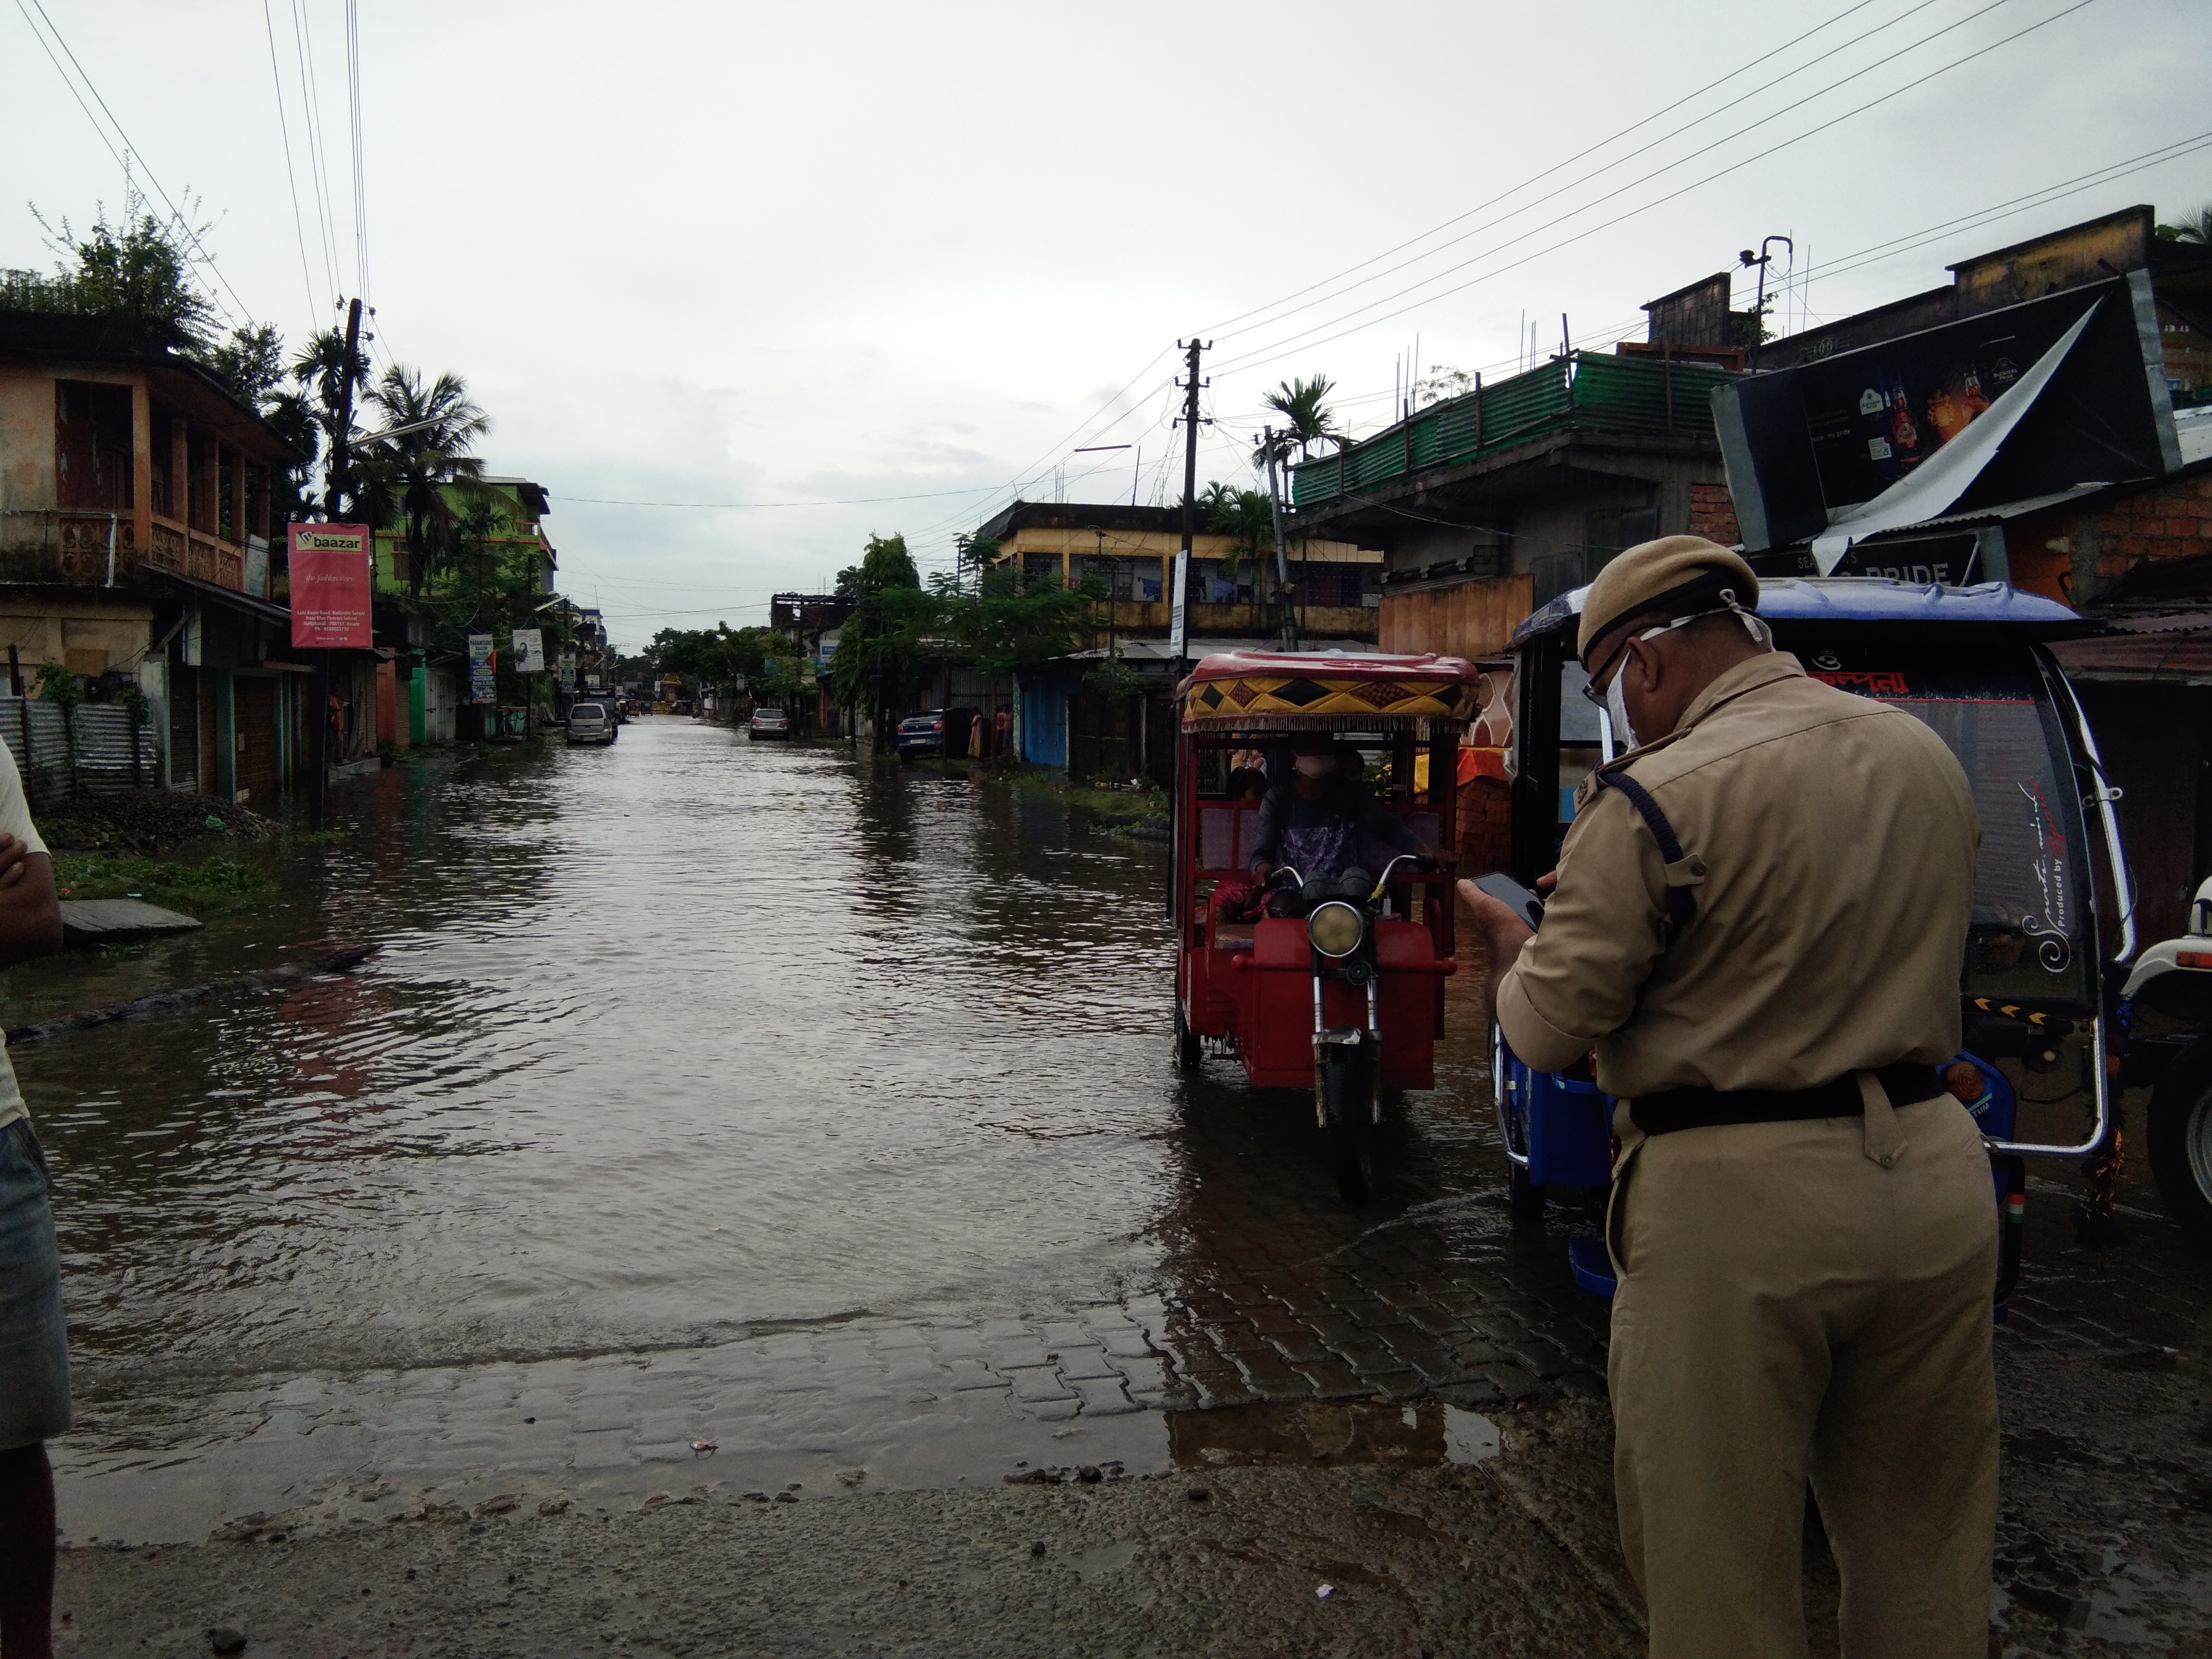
x: 1587, y: 391
x: 87, y: 548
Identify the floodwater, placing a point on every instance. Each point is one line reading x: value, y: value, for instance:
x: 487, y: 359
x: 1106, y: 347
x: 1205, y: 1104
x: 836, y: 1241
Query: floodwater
x: 668, y: 1044
x: 666, y: 1038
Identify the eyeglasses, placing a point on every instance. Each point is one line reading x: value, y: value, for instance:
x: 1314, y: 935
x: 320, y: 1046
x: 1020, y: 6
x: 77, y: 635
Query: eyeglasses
x: 1593, y: 687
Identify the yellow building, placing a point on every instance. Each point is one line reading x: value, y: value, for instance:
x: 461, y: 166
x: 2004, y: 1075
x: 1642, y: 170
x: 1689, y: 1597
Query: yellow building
x: 1334, y: 586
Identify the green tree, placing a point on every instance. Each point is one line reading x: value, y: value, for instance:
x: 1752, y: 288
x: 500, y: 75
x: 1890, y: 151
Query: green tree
x: 1302, y: 403
x: 137, y: 268
x: 879, y: 645
x: 1439, y: 383
x: 1242, y: 515
x: 490, y: 587
x: 428, y: 431
x: 318, y: 370
x: 2193, y: 228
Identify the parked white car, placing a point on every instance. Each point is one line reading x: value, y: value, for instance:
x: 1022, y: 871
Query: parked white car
x: 591, y: 722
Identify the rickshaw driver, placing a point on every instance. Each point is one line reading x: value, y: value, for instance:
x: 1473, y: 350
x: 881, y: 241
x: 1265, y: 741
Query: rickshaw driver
x: 1314, y: 822
x: 1801, y: 1221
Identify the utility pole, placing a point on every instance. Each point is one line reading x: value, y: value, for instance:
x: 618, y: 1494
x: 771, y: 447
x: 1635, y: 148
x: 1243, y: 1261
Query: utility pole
x: 334, y: 485
x: 1182, y: 589
x: 1290, y: 625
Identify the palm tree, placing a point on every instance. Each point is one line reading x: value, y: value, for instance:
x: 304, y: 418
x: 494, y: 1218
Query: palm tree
x: 320, y: 369
x: 1312, y: 421
x: 428, y: 433
x: 2194, y: 229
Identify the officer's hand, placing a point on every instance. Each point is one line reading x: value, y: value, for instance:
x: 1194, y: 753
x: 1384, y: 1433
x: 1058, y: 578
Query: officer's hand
x: 1503, y: 934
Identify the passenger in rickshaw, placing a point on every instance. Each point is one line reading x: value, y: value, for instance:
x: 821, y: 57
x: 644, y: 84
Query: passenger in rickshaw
x: 1315, y: 821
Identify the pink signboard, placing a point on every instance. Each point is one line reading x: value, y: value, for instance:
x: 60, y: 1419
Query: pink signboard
x: 329, y: 585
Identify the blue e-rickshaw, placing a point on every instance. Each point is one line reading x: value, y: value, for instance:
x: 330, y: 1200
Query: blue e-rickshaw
x: 2051, y: 930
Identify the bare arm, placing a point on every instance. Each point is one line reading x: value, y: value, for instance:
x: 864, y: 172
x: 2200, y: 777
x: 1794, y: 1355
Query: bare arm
x: 30, y: 913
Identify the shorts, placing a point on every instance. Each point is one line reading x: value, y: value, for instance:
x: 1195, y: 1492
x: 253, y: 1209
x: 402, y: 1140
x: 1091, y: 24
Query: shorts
x: 34, y: 1381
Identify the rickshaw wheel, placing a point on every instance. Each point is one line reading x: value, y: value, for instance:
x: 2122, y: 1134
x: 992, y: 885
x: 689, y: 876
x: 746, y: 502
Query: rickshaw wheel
x: 1351, y: 1124
x: 2179, y: 1133
x: 1186, y: 1042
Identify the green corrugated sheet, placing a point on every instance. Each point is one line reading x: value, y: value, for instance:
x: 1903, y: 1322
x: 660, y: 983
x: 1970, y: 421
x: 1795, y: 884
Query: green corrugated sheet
x: 1593, y: 393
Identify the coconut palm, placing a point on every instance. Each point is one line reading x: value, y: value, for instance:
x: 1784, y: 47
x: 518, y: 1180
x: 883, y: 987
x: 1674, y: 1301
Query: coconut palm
x: 319, y: 370
x: 428, y: 433
x: 2195, y: 229
x: 1312, y: 422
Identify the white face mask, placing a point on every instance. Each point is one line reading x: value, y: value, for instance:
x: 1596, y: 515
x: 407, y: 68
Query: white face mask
x: 1316, y: 766
x: 1616, y: 706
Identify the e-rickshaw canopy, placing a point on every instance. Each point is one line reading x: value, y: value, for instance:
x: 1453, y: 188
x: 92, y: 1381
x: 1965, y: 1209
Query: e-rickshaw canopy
x: 1284, y: 691
x: 1848, y: 600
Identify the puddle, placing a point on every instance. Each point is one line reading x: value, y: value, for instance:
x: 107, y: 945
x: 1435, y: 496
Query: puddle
x: 1325, y: 1433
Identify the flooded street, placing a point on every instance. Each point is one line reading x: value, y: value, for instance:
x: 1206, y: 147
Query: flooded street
x: 721, y: 1119
x: 688, y: 1046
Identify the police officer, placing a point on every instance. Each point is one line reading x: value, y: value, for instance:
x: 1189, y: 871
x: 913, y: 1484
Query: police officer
x: 1758, y: 925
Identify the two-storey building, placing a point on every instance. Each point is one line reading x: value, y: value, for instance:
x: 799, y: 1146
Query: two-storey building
x: 136, y: 544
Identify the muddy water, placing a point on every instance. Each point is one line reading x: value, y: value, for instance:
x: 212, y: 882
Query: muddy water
x: 665, y: 1039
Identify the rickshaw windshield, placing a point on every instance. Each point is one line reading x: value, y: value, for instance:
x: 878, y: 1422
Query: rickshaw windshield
x: 2033, y: 936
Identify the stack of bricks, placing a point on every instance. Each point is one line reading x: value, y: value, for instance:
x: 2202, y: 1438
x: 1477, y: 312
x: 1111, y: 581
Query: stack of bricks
x: 1713, y: 514
x: 1486, y: 825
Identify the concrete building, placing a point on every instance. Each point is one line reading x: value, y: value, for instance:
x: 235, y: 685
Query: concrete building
x: 137, y: 545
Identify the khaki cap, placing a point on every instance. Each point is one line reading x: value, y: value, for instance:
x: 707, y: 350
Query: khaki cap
x: 1678, y: 572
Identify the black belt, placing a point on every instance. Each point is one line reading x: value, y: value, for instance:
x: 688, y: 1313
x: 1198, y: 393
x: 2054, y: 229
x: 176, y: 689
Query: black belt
x: 1698, y: 1107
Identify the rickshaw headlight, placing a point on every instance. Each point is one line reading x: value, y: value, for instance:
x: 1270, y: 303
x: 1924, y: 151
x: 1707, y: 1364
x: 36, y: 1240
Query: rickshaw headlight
x: 1336, y: 929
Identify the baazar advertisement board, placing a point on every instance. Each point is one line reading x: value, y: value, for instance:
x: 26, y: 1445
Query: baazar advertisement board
x: 1805, y: 445
x: 483, y: 669
x: 330, y: 586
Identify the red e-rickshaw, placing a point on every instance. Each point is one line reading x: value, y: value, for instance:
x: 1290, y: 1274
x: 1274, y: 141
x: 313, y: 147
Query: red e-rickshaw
x: 1334, y: 985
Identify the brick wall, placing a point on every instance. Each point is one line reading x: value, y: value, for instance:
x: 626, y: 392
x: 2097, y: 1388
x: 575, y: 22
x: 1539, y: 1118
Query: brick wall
x: 2075, y: 554
x: 1713, y: 514
x: 1486, y: 826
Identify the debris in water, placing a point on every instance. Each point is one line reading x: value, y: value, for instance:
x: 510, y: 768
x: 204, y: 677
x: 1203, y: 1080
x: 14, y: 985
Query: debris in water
x: 1324, y: 1592
x: 705, y: 1447
x: 227, y: 1639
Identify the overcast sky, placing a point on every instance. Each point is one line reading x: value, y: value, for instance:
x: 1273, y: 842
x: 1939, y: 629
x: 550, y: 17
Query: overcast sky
x: 718, y: 254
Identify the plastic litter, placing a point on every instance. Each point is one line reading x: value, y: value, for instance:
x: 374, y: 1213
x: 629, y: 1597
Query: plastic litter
x: 705, y: 1447
x: 1324, y: 1592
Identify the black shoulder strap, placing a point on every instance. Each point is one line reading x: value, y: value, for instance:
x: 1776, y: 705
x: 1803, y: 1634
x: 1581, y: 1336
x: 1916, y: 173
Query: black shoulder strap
x: 1681, y: 903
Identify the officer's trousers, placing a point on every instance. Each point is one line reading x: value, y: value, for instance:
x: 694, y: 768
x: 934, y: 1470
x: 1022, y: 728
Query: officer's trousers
x: 1789, y: 1308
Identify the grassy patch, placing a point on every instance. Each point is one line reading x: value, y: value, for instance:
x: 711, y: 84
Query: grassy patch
x: 219, y: 883
x: 1150, y: 805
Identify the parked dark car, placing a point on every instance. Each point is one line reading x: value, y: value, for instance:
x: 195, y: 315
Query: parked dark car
x: 934, y: 732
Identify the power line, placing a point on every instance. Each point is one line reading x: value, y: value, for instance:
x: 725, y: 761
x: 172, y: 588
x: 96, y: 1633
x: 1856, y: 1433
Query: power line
x: 1280, y: 349
x: 1620, y: 160
x: 360, y: 167
x: 850, y: 501
x: 185, y: 224
x: 303, y: 41
x: 284, y: 126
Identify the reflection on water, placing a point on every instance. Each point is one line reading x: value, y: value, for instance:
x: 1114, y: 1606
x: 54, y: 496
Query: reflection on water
x: 667, y: 1038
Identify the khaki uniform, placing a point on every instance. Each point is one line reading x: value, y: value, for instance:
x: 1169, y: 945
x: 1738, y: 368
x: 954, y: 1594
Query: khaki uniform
x: 1796, y: 1298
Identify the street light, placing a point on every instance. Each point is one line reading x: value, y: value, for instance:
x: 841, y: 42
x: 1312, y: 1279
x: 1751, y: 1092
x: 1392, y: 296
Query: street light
x: 1747, y: 259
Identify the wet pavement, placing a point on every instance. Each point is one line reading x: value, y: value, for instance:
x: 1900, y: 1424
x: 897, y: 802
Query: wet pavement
x: 721, y: 1116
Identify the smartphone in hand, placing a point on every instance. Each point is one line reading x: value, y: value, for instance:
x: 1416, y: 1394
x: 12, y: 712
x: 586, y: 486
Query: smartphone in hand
x: 1511, y: 894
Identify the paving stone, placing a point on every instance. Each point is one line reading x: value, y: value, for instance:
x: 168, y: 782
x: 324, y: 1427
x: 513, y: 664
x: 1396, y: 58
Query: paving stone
x: 1332, y: 1379
x: 1300, y: 1346
x: 1054, y: 1411
x: 1144, y: 1375
x: 1103, y: 1396
x: 1512, y: 1381
x: 1079, y: 1363
x: 1126, y: 1342
x: 967, y: 1373
x: 1039, y: 1383
x: 1013, y: 1355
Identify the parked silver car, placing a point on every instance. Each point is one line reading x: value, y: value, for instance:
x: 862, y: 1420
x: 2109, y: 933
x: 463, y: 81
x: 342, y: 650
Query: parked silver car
x: 769, y: 723
x: 591, y: 722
